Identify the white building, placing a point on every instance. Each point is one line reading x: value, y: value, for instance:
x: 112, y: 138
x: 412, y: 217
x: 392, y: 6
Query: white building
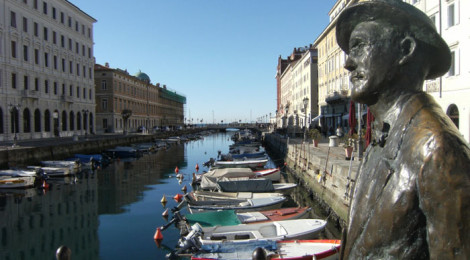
x: 451, y: 91
x: 46, y: 70
x: 298, y: 81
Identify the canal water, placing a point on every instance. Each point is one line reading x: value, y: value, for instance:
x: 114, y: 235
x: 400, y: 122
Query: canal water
x: 112, y: 213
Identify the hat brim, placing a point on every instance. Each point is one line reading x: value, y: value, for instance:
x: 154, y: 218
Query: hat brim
x: 404, y: 16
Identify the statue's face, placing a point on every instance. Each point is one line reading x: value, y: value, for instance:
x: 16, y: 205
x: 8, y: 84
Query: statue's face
x: 371, y: 61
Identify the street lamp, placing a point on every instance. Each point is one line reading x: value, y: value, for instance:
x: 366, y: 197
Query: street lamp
x: 85, y: 115
x: 287, y: 118
x: 305, y: 121
x: 14, y: 115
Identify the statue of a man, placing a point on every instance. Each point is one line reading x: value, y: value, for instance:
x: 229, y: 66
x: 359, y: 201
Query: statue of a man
x: 412, y: 193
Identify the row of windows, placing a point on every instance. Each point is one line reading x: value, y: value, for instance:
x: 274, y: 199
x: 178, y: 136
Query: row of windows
x: 85, y: 50
x: 60, y: 16
x: 79, y: 70
x: 44, y: 121
x: 48, y: 88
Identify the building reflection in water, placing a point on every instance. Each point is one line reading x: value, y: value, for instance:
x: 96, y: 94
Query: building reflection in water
x: 34, y: 224
x: 125, y: 181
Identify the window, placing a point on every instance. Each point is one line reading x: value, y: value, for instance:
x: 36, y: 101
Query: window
x: 70, y: 90
x: 36, y: 84
x: 70, y: 21
x: 77, y: 48
x: 37, y: 120
x: 104, y: 104
x: 55, y: 88
x: 54, y: 37
x: 54, y: 13
x: 13, y: 80
x: 44, y: 7
x: 455, y: 63
x: 62, y: 41
x: 36, y: 29
x: 84, y: 93
x: 63, y: 65
x: 78, y: 92
x: 78, y: 69
x: 46, y: 59
x: 71, y: 67
x: 55, y: 62
x: 36, y: 56
x: 25, y: 24
x: 46, y: 86
x: 62, y: 18
x: 70, y: 44
x: 35, y: 4
x: 450, y: 15
x: 103, y: 84
x: 26, y: 82
x: 13, y: 19
x: 13, y: 49
x: 63, y: 89
x: 46, y: 34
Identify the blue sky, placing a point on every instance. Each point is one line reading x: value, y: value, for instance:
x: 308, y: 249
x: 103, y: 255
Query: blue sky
x: 221, y: 54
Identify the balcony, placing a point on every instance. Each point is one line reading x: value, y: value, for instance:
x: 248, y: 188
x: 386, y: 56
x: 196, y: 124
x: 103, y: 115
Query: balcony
x: 65, y: 98
x: 33, y: 94
x: 336, y: 97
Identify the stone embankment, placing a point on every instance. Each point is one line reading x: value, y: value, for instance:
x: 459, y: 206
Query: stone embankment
x: 31, y: 152
x: 322, y: 170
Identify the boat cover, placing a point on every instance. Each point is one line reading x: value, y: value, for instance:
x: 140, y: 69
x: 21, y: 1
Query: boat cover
x: 253, y: 185
x: 214, y: 218
x: 209, y: 179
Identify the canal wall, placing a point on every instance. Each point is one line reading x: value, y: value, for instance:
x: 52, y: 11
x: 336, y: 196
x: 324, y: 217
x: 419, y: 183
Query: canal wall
x: 61, y: 148
x: 322, y: 170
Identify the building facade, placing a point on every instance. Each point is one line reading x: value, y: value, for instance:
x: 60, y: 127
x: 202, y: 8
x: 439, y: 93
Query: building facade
x: 126, y: 103
x: 46, y: 70
x: 297, y: 80
x: 451, y: 91
x: 334, y: 88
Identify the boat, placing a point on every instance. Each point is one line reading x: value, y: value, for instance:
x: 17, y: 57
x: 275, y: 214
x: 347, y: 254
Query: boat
x: 122, y: 152
x: 209, y: 179
x: 15, y: 182
x: 239, y: 205
x: 246, y: 163
x: 17, y: 178
x: 54, y: 171
x: 212, y: 237
x: 230, y: 217
x: 323, y: 249
x: 74, y: 165
x: 90, y: 159
x: 209, y: 195
x: 248, y: 155
x: 254, y: 185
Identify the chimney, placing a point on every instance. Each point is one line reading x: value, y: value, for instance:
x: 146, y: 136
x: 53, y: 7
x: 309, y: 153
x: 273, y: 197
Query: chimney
x: 106, y: 64
x: 164, y: 86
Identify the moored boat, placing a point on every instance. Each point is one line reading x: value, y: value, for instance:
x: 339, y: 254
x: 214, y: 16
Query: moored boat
x: 15, y: 182
x: 254, y: 185
x: 239, y: 205
x: 323, y: 249
x: 122, y: 152
x: 254, y: 164
x: 230, y: 217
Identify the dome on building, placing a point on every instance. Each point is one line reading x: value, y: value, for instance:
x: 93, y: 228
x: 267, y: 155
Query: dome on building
x: 142, y: 76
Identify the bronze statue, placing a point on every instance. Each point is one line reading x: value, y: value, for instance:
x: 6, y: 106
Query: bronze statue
x: 412, y: 194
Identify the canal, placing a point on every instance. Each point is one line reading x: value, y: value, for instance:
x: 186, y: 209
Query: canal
x: 113, y: 213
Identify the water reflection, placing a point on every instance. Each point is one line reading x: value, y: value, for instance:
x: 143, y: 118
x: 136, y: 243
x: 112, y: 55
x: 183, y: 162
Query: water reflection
x: 36, y: 222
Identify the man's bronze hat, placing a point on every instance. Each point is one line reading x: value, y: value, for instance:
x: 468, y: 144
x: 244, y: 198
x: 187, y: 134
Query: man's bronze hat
x: 404, y: 15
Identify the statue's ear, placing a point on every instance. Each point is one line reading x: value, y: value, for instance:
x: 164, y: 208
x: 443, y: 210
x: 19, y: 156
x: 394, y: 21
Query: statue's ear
x: 407, y: 47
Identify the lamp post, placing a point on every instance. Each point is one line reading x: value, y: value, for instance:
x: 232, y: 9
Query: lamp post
x: 14, y: 115
x: 85, y: 116
x: 295, y: 122
x: 305, y: 121
x: 287, y: 118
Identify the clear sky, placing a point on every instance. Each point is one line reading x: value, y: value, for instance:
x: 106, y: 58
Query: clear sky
x: 221, y: 54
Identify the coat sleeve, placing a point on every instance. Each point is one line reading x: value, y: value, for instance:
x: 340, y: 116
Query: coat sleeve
x: 444, y: 196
